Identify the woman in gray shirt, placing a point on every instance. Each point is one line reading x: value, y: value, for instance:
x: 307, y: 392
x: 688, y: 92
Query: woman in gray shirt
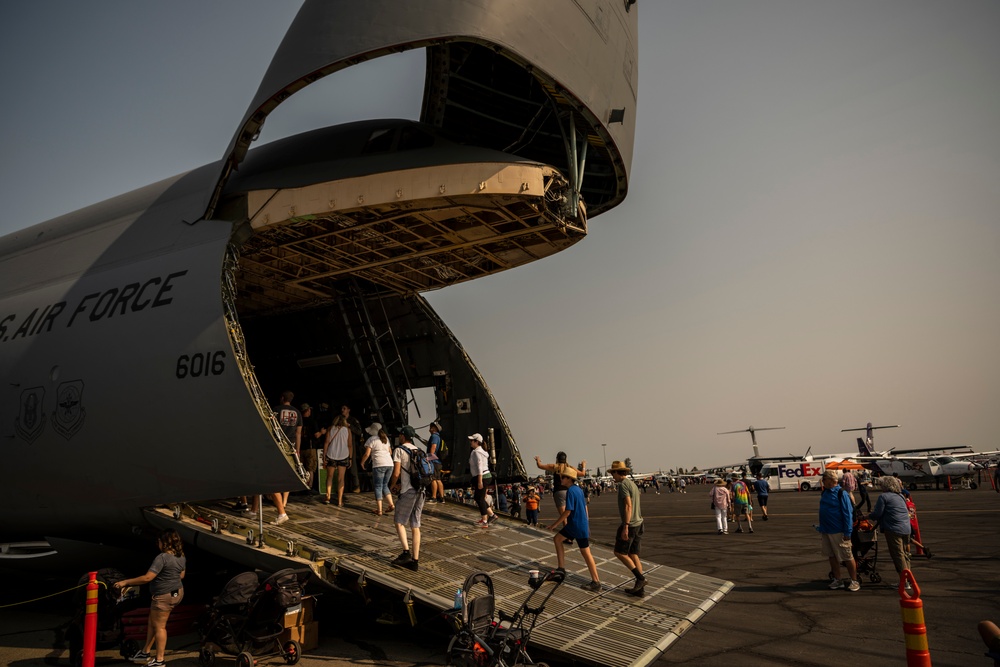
x: 164, y: 578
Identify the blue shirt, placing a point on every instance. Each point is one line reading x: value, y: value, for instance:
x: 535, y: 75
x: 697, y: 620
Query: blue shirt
x: 835, y: 513
x: 433, y: 446
x: 577, y: 525
x: 762, y: 487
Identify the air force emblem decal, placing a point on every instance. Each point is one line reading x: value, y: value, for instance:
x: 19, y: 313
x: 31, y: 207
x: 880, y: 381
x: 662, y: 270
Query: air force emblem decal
x: 69, y: 414
x: 30, y: 418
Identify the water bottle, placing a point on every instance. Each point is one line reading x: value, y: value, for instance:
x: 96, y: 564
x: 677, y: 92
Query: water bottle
x: 459, y: 600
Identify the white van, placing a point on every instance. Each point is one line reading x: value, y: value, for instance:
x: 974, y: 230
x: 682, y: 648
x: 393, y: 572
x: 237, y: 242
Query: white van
x: 803, y: 475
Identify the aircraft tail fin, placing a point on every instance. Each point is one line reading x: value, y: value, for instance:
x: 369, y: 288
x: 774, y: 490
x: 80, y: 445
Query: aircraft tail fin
x: 864, y: 449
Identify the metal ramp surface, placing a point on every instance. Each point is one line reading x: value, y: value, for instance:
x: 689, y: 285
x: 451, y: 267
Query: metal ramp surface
x: 606, y: 629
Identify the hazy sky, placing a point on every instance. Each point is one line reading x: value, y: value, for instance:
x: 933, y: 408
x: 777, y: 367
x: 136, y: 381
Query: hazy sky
x: 811, y: 237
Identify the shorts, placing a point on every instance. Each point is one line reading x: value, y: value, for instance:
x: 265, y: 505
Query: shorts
x: 436, y: 475
x: 167, y: 601
x: 337, y: 463
x: 762, y: 501
x: 742, y: 509
x: 560, y: 498
x: 308, y: 459
x: 408, y: 509
x: 835, y: 545
x: 582, y: 542
x: 630, y: 546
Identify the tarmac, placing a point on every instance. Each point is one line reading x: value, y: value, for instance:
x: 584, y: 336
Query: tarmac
x: 779, y: 613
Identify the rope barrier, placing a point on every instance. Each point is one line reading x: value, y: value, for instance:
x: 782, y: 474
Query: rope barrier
x: 51, y: 595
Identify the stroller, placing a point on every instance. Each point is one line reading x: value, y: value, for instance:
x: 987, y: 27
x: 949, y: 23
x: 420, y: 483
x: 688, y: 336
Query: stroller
x: 864, y: 546
x: 111, y: 607
x: 479, y: 641
x: 246, y: 619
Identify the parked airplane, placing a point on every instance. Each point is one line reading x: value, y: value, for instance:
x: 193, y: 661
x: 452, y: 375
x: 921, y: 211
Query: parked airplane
x: 909, y: 466
x: 142, y: 338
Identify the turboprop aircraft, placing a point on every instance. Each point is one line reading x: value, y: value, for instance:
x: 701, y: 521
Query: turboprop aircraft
x: 144, y: 339
x: 909, y: 466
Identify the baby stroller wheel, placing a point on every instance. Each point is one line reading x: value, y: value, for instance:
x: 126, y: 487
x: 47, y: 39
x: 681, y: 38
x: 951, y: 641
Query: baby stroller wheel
x: 875, y: 577
x: 292, y: 651
x: 244, y: 659
x: 206, y: 656
x: 129, y: 648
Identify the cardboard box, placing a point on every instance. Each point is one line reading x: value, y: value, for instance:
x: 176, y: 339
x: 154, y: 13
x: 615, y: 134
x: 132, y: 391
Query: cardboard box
x: 307, y: 635
x: 300, y: 614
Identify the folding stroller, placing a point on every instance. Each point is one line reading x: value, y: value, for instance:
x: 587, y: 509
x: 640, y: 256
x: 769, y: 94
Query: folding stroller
x: 481, y: 641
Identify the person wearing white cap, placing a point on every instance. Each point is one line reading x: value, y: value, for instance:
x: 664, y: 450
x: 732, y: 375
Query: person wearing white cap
x: 378, y: 447
x: 479, y: 468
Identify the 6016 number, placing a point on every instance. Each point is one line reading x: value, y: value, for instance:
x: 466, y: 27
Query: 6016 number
x: 200, y: 365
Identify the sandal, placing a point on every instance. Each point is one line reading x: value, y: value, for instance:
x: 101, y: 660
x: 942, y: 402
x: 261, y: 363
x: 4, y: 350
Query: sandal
x: 325, y: 501
x: 377, y: 513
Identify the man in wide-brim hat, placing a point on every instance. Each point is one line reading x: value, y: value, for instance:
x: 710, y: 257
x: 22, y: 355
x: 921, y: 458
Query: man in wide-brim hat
x: 630, y: 531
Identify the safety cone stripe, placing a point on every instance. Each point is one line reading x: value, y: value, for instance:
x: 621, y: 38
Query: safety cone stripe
x: 916, y: 642
x: 913, y: 615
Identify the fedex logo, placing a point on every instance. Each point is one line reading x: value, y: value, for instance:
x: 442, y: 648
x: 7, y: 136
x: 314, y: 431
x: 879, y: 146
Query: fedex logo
x: 800, y: 470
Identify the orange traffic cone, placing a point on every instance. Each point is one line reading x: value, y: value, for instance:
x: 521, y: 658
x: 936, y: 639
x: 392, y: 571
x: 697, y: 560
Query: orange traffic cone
x: 914, y: 630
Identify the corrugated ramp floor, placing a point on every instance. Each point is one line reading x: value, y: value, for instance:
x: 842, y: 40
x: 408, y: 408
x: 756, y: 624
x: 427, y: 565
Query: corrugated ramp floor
x: 604, y: 629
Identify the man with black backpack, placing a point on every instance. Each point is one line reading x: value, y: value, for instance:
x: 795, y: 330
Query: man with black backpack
x: 410, y: 496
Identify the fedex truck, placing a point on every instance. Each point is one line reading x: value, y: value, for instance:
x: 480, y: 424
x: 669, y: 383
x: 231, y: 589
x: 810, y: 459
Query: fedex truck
x: 800, y: 474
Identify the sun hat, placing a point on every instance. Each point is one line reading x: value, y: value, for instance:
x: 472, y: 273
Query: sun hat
x: 619, y: 466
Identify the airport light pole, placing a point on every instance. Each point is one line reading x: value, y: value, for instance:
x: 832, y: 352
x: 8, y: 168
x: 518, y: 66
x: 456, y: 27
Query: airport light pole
x: 604, y: 448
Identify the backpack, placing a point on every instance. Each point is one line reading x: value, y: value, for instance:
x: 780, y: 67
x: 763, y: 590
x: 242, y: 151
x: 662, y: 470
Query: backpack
x: 421, y: 470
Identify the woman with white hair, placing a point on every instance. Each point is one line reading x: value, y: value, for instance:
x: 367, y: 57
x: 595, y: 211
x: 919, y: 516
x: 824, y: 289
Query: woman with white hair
x: 894, y: 521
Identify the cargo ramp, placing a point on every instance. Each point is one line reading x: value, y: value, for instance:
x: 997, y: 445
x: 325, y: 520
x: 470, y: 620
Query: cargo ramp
x: 351, y: 543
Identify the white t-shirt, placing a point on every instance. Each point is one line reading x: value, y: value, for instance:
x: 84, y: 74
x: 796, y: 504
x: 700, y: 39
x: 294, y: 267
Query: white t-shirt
x: 381, y: 452
x: 402, y: 456
x: 479, y: 462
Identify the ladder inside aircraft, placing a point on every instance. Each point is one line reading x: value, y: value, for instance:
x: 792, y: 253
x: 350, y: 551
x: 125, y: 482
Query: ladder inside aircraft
x: 369, y: 341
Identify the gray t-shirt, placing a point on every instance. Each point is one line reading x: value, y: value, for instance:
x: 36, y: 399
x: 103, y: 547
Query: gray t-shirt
x: 168, y: 568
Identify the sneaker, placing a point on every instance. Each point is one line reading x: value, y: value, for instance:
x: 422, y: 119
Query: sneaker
x: 739, y: 530
x: 239, y: 507
x: 482, y: 524
x: 751, y: 530
x: 593, y: 587
x: 720, y: 532
x: 725, y: 532
x: 156, y: 663
x: 837, y: 584
x: 493, y: 518
x: 249, y: 514
x: 854, y: 586
x: 412, y: 565
x: 282, y: 518
x: 765, y: 517
x: 636, y: 593
x: 403, y: 559
x: 140, y: 658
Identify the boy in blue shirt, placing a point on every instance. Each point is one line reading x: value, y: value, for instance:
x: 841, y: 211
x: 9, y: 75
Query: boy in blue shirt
x: 576, y: 526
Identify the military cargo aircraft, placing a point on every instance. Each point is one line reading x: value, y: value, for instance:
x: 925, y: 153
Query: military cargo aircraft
x: 144, y: 339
